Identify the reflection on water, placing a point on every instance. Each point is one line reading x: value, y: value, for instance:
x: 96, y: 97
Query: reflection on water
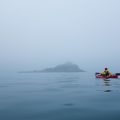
x: 107, y: 85
x: 68, y: 104
x: 58, y: 96
x: 107, y: 90
x: 107, y: 82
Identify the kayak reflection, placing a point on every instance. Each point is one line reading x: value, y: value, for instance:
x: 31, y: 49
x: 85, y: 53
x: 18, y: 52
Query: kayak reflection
x: 107, y: 85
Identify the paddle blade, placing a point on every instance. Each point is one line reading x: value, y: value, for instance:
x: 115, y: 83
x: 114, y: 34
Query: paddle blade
x: 117, y: 73
x: 97, y: 73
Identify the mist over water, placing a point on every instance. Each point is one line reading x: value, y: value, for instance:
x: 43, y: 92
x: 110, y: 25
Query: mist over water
x: 40, y: 34
x: 51, y: 96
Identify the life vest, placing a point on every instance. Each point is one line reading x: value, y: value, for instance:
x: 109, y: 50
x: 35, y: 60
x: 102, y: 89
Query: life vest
x: 106, y: 73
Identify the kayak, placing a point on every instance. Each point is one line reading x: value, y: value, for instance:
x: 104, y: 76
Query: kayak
x: 107, y: 77
x: 114, y: 76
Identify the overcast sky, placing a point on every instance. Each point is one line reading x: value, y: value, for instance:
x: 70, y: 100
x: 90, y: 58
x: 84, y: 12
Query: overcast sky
x: 36, y: 34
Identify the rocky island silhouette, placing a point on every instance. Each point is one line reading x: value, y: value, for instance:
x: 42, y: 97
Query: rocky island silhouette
x: 66, y: 67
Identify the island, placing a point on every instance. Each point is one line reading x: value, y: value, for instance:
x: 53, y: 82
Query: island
x: 66, y: 67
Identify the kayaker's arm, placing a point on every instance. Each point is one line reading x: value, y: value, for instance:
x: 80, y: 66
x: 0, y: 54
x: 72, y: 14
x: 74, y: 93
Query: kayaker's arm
x: 110, y: 73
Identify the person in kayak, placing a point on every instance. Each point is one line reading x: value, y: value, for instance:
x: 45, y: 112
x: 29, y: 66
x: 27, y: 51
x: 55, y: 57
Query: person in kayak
x: 106, y: 73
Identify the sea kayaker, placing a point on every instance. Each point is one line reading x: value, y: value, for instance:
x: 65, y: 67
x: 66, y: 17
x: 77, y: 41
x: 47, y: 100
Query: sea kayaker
x: 106, y: 72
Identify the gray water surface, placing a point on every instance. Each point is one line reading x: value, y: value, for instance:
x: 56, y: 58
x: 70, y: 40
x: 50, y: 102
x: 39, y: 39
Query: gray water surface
x: 58, y: 96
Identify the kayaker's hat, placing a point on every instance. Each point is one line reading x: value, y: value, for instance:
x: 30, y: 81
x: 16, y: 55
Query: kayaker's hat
x: 106, y: 68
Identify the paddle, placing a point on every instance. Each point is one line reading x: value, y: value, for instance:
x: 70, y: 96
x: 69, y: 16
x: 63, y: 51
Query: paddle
x: 117, y: 73
x: 97, y: 73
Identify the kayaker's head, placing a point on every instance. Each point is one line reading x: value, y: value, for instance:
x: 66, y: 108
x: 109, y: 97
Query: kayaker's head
x: 106, y: 68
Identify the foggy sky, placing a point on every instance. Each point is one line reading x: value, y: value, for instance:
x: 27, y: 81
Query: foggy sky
x: 36, y: 34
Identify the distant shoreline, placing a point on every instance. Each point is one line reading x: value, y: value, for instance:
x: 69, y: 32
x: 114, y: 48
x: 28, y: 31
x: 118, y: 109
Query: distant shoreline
x: 48, y: 72
x: 62, y: 68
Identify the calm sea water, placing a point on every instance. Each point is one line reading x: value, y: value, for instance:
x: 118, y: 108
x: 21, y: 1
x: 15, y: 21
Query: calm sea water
x: 58, y: 96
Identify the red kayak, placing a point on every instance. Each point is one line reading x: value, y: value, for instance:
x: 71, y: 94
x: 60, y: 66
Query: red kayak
x: 107, y: 77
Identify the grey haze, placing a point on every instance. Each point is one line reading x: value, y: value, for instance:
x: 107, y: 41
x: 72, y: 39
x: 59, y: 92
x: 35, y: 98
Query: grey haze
x: 35, y: 34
